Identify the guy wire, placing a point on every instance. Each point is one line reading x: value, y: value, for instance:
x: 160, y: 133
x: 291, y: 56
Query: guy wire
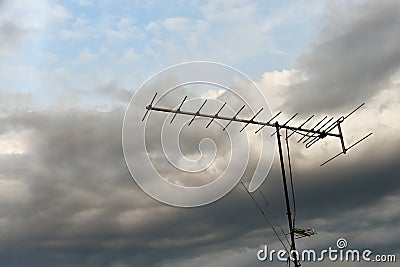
x: 265, y: 216
x: 276, y: 219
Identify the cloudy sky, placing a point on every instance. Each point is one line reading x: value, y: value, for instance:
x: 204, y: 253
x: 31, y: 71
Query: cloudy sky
x: 68, y: 70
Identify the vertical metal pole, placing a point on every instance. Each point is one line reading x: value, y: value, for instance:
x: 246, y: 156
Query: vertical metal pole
x: 341, y: 137
x: 285, y: 188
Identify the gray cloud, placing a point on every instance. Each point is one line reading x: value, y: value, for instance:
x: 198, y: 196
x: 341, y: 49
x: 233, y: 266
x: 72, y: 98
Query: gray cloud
x: 13, y: 30
x: 72, y: 199
x: 73, y: 202
x: 10, y: 34
x: 112, y: 91
x: 353, y: 58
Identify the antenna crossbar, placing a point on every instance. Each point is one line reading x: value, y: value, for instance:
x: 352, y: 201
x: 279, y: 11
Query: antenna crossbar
x: 252, y: 119
x: 233, y: 118
x: 319, y: 129
x: 309, y: 137
x: 276, y: 115
x: 249, y: 121
x: 300, y: 126
x: 291, y: 118
x: 306, y: 135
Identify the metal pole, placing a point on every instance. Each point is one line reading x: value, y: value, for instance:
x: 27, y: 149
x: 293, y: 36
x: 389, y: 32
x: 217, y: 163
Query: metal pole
x: 341, y: 137
x: 285, y: 188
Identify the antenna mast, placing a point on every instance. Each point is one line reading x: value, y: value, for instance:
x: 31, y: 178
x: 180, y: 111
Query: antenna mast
x: 309, y: 137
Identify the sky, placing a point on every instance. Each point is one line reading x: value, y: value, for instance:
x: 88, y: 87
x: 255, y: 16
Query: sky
x: 68, y: 70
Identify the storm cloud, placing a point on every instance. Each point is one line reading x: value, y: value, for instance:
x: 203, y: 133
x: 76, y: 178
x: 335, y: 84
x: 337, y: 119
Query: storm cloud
x: 352, y: 59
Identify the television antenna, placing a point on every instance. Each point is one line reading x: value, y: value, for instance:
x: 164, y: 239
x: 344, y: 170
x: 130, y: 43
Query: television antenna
x: 309, y: 136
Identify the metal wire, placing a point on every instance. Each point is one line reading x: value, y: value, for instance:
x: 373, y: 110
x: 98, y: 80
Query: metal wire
x: 276, y: 219
x: 265, y: 216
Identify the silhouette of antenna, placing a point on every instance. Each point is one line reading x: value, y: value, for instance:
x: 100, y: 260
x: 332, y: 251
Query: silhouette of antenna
x: 309, y: 136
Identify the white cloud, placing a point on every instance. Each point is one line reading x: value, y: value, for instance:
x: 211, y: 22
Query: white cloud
x: 58, y: 12
x: 228, y: 32
x: 84, y: 2
x: 87, y: 55
x: 177, y: 24
x: 275, y: 84
x: 377, y: 116
x: 80, y: 21
x: 70, y: 34
x: 152, y: 27
x: 14, y: 142
x: 214, y: 94
x: 33, y: 15
x: 229, y: 10
x: 131, y: 55
x: 124, y: 28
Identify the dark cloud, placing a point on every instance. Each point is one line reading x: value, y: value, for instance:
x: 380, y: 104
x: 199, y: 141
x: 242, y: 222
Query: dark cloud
x: 74, y: 203
x: 113, y: 92
x: 10, y: 33
x: 353, y: 58
x: 73, y: 200
x: 13, y: 32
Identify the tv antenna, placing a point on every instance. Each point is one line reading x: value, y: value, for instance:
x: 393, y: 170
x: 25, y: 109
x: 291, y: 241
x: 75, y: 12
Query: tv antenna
x: 309, y: 136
